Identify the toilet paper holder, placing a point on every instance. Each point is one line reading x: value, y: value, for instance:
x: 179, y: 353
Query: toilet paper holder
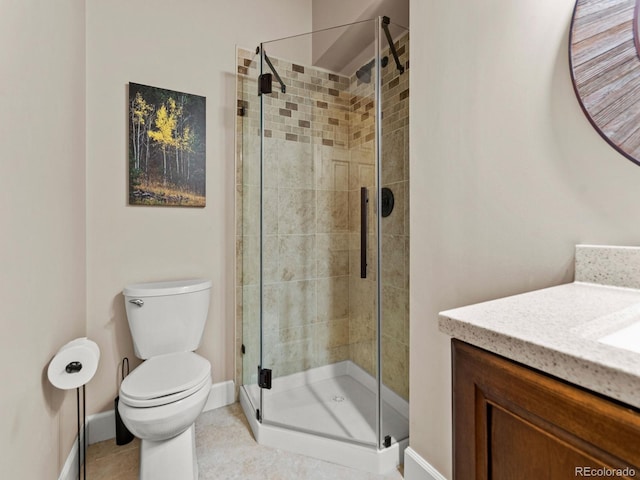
x: 73, y: 375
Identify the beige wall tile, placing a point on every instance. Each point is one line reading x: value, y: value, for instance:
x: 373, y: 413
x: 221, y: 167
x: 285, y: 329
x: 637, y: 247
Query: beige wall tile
x: 271, y: 259
x: 291, y: 357
x: 251, y: 308
x: 334, y: 333
x: 327, y: 356
x: 393, y: 151
x: 361, y: 329
x: 333, y: 212
x: 271, y: 211
x: 297, y: 303
x: 407, y: 258
x: 395, y: 305
x: 332, y: 254
x: 296, y: 257
x: 333, y: 298
x: 250, y: 248
x: 239, y: 263
x: 271, y: 308
x: 395, y: 366
x: 332, y: 172
x: 406, y: 152
x: 296, y: 333
x: 406, y: 210
x: 296, y: 211
x: 250, y: 210
x: 393, y: 261
x: 295, y: 165
x: 363, y: 354
x: 361, y: 174
x: 362, y: 301
x: 272, y: 148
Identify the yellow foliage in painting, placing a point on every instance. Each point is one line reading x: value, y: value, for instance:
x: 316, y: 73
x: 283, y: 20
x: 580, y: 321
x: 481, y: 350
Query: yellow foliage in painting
x: 174, y: 110
x: 165, y: 124
x: 141, y: 109
x: 186, y: 141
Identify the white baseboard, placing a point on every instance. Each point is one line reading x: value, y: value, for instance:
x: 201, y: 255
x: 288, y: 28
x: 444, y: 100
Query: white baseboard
x: 417, y: 468
x: 221, y: 395
x: 70, y: 467
x: 102, y: 426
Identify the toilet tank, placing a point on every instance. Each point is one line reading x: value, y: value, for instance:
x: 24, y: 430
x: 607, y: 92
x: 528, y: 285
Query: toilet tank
x: 167, y: 317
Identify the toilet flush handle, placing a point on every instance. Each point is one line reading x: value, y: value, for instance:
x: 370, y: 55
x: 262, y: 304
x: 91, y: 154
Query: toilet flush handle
x: 137, y: 301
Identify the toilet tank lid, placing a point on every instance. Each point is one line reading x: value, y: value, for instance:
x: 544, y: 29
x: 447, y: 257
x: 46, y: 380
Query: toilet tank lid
x: 174, y: 287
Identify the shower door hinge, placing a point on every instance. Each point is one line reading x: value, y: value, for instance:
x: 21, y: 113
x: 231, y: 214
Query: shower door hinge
x: 265, y: 83
x: 258, y: 416
x: 387, y: 441
x: 264, y: 378
x: 243, y: 349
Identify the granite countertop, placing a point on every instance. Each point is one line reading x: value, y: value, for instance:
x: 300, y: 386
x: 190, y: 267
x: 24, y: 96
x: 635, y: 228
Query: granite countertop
x: 556, y: 330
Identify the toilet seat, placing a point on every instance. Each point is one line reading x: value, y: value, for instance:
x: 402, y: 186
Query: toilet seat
x: 165, y: 379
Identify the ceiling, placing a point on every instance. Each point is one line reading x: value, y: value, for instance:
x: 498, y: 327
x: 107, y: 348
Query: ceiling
x: 344, y: 49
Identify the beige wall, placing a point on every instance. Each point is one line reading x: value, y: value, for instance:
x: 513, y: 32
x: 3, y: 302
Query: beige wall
x: 507, y: 175
x: 42, y: 223
x: 190, y: 47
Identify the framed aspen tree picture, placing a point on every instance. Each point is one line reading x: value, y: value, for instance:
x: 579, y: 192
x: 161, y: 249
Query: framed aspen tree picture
x: 167, y: 161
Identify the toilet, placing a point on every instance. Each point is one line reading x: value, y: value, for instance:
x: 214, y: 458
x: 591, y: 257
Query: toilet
x: 161, y: 399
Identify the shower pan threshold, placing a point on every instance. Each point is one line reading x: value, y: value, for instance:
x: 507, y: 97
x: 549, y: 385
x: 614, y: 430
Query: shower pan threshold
x: 329, y: 413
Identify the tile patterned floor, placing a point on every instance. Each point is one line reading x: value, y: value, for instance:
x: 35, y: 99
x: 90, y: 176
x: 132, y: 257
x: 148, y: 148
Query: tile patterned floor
x: 226, y: 451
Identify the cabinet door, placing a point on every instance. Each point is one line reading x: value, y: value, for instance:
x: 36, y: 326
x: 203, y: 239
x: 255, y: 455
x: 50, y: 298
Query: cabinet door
x: 511, y: 422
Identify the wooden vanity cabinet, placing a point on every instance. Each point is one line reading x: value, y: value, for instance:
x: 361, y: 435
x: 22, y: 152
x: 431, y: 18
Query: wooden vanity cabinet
x: 511, y: 422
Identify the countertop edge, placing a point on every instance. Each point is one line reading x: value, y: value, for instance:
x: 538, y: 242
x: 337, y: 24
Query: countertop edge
x: 602, y: 379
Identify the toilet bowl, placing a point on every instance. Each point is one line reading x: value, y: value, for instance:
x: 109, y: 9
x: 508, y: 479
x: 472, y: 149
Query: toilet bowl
x: 159, y: 403
x: 163, y: 396
x: 161, y: 399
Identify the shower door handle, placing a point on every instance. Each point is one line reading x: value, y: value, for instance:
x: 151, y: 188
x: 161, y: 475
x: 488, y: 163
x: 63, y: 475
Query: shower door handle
x: 364, y: 200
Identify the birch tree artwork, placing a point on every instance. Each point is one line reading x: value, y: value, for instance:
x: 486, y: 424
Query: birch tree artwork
x: 166, y: 147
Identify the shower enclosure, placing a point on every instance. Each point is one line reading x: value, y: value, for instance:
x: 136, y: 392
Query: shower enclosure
x: 322, y: 239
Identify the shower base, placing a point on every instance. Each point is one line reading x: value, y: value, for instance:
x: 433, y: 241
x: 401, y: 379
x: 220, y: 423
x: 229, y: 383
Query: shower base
x: 329, y: 413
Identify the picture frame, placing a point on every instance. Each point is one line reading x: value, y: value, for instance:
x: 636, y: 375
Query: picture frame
x: 167, y: 147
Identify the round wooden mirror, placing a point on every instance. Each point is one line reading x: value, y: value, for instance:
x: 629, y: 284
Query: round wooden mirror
x: 605, y: 68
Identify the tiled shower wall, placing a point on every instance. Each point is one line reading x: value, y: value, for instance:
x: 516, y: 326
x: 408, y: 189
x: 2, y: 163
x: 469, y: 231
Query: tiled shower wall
x: 319, y: 151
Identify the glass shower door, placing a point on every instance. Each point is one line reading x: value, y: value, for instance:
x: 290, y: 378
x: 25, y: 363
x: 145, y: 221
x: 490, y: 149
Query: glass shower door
x: 318, y: 291
x: 248, y: 237
x: 394, y: 232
